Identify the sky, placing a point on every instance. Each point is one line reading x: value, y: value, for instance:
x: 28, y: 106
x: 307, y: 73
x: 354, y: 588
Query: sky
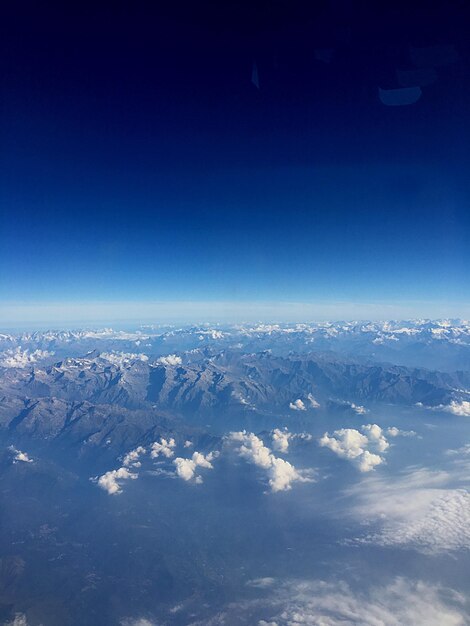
x: 234, y: 160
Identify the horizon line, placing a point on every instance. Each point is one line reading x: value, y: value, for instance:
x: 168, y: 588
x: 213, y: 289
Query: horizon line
x: 69, y: 313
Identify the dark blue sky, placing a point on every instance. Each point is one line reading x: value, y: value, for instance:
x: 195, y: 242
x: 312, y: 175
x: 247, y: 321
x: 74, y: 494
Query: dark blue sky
x: 140, y: 163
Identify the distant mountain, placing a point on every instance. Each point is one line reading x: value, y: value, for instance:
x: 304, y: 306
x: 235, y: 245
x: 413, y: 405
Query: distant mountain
x: 443, y: 345
x: 118, y: 400
x: 264, y: 379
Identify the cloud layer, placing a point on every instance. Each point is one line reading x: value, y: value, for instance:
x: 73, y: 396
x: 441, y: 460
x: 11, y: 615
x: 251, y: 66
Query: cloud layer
x: 416, y: 510
x: 319, y: 603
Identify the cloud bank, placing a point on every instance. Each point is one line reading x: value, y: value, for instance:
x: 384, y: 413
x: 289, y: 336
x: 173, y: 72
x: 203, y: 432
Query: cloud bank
x: 417, y: 510
x: 319, y: 603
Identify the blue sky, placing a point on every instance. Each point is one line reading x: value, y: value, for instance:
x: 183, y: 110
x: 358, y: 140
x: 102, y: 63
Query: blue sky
x: 136, y: 172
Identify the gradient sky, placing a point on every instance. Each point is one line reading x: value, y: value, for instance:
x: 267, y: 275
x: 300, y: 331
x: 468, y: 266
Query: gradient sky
x: 139, y: 162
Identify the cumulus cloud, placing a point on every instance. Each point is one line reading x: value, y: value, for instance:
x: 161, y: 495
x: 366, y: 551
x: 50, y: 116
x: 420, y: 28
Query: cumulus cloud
x: 164, y: 447
x: 458, y: 408
x: 281, y: 440
x: 111, y: 481
x: 319, y: 603
x: 131, y: 459
x: 252, y: 448
x: 375, y: 435
x: 362, y: 448
x: 186, y: 468
x: 170, y: 359
x: 297, y: 405
x: 461, y: 408
x: 281, y: 474
x: 22, y: 358
x: 19, y: 456
x: 417, y: 510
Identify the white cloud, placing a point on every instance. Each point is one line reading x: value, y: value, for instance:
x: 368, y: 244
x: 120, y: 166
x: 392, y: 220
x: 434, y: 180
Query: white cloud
x: 186, y: 468
x: 22, y: 358
x: 111, y: 481
x: 170, y: 359
x: 362, y: 448
x: 164, y: 447
x: 458, y: 408
x: 297, y: 405
x: 131, y: 459
x: 375, y: 434
x: 415, y: 510
x: 281, y: 474
x: 368, y: 460
x: 188, y: 444
x: 252, y: 449
x: 19, y: 456
x: 281, y: 440
x: 203, y: 461
x: 347, y: 443
x: 401, y: 602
